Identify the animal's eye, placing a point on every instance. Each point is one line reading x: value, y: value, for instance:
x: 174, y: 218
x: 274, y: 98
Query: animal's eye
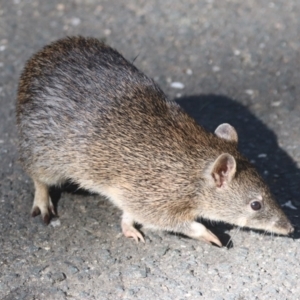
x: 255, y: 205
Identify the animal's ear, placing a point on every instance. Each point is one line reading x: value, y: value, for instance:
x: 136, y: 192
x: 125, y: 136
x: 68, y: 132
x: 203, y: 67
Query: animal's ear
x: 224, y: 168
x: 227, y: 132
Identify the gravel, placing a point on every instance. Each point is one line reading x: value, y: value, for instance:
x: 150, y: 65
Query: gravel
x: 232, y: 61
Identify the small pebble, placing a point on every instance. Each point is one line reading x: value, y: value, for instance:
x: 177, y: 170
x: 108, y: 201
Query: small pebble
x: 135, y: 272
x: 236, y: 52
x: 224, y: 267
x: 84, y: 295
x: 216, y: 69
x: 73, y: 269
x: 189, y: 72
x: 262, y: 155
x: 58, y: 277
x: 107, y: 31
x: 262, y: 45
x: 249, y: 92
x: 75, y: 21
x: 55, y: 223
x: 177, y: 85
x: 60, y: 7
x: 276, y: 103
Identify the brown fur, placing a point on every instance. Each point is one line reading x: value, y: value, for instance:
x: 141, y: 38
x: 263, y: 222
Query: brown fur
x: 86, y: 114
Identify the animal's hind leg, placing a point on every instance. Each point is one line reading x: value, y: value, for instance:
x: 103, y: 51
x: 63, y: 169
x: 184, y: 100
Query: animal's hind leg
x: 42, y: 203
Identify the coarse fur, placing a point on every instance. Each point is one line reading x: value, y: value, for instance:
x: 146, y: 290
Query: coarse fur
x: 86, y: 114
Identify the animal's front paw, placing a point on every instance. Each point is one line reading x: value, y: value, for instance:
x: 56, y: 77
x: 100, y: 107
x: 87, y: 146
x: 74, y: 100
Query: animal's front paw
x: 132, y: 232
x: 200, y: 232
x: 129, y: 230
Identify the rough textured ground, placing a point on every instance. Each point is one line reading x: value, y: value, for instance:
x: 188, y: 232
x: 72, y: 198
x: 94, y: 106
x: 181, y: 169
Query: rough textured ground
x: 239, y: 63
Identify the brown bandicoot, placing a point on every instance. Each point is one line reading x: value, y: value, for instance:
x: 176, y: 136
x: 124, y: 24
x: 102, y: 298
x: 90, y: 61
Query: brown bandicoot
x: 86, y: 114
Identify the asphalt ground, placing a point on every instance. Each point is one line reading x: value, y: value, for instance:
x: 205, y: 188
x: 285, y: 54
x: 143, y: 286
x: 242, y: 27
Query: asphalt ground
x: 223, y: 61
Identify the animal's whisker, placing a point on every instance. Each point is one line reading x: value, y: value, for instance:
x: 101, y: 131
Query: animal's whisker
x: 236, y: 231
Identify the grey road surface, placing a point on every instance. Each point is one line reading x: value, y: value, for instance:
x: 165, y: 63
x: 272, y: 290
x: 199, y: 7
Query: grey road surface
x: 223, y: 61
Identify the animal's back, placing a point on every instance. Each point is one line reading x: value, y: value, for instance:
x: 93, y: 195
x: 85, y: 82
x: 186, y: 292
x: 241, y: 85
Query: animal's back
x: 74, y: 75
x: 80, y: 99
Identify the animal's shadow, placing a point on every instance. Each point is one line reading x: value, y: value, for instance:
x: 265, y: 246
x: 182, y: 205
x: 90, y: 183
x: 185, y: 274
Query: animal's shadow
x: 256, y: 141
x: 68, y: 187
